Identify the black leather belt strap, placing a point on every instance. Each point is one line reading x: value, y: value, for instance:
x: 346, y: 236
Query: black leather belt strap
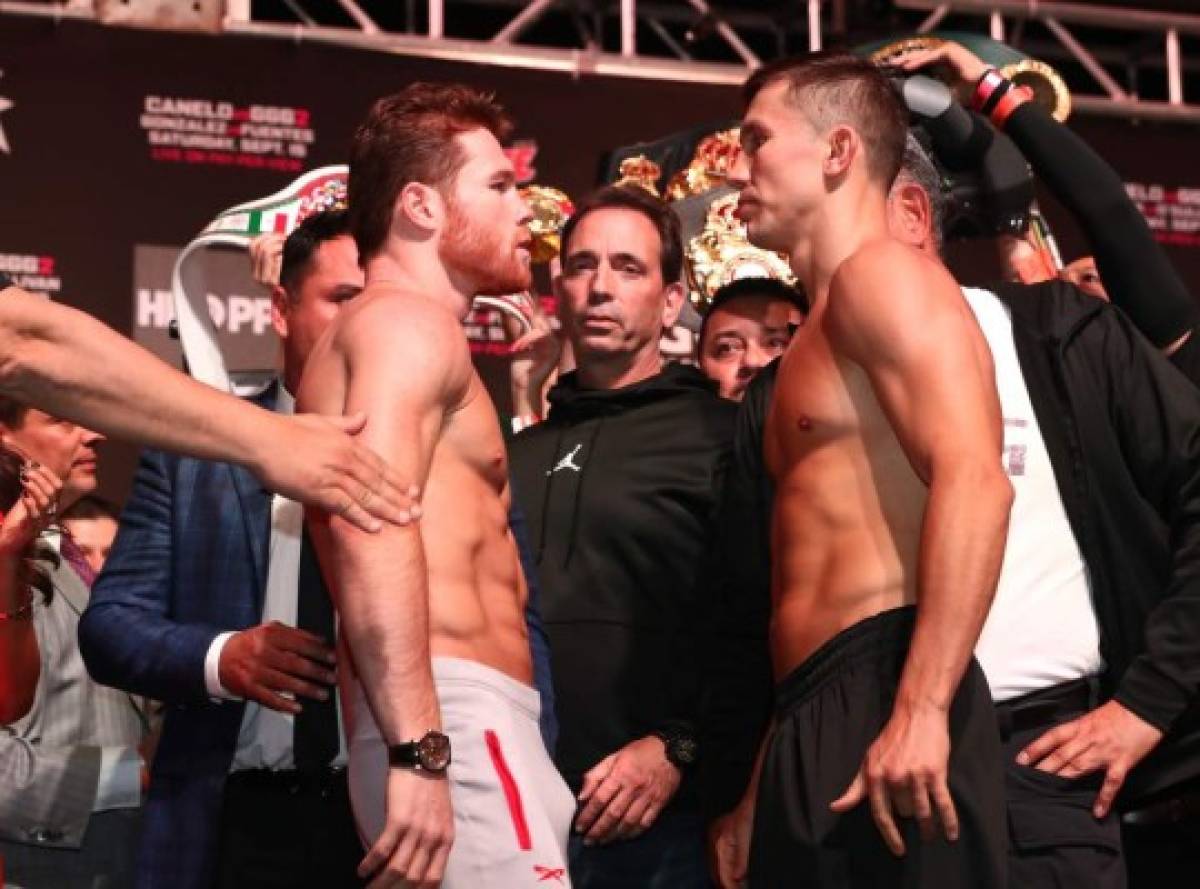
x: 1044, y: 708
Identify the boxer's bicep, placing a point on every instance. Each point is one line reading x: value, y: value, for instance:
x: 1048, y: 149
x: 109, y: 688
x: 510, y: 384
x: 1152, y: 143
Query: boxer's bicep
x: 905, y: 322
x: 405, y: 371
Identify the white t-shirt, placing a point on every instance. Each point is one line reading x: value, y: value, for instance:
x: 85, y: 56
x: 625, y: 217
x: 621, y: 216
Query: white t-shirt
x: 1041, y: 630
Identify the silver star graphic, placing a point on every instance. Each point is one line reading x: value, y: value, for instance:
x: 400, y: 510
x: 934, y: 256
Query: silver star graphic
x: 5, y: 104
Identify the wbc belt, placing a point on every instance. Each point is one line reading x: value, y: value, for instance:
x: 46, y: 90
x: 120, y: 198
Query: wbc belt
x: 314, y: 192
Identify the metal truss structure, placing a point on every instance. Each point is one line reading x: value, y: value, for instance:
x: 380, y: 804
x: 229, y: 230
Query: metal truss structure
x: 1126, y: 62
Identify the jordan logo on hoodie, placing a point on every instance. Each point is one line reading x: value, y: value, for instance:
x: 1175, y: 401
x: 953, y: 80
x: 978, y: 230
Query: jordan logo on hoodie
x: 568, y: 462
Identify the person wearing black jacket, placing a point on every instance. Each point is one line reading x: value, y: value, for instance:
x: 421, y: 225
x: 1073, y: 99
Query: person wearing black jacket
x: 1162, y: 798
x: 620, y: 485
x: 1136, y: 273
x: 1119, y: 426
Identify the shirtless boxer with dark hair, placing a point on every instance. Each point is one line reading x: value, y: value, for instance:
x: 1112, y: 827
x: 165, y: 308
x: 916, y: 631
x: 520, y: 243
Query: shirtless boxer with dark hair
x: 891, y: 507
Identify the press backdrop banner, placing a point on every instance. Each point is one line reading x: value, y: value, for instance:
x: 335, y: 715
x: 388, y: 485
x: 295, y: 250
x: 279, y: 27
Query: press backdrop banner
x: 117, y: 147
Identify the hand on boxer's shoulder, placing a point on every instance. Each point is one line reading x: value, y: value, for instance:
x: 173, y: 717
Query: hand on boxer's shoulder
x: 324, y: 466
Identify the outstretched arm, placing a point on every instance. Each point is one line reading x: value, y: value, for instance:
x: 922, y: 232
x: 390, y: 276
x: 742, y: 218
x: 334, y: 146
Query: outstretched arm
x: 931, y: 371
x: 72, y: 366
x: 1137, y: 273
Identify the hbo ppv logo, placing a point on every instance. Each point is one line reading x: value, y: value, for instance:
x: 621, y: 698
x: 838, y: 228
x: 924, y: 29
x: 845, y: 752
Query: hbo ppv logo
x: 231, y: 314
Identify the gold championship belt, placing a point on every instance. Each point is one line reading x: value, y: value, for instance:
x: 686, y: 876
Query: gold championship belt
x: 639, y: 172
x: 721, y: 254
x: 551, y: 210
x: 889, y: 52
x: 1048, y: 88
x: 710, y: 166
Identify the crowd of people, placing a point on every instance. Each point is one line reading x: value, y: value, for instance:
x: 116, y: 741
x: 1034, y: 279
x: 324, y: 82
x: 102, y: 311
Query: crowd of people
x: 895, y: 584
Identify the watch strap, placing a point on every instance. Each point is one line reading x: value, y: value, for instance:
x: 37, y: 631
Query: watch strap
x: 430, y: 753
x: 405, y: 755
x: 672, y: 739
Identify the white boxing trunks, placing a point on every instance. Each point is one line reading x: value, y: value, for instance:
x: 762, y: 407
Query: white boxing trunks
x: 512, y: 809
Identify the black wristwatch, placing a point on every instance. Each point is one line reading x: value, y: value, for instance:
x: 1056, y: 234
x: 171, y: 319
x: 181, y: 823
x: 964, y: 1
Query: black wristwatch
x: 682, y: 748
x: 429, y: 754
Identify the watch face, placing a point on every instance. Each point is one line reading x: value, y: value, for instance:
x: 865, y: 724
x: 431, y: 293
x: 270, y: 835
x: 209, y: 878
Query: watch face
x: 685, y: 750
x: 433, y: 752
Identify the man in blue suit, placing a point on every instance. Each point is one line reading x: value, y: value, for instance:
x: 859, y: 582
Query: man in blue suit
x: 199, y: 607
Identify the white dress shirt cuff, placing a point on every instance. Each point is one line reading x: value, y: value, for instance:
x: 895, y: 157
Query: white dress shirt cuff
x: 120, y: 782
x: 212, y: 670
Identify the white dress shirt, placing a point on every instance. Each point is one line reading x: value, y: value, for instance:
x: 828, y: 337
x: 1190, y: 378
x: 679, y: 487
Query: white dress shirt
x: 265, y: 737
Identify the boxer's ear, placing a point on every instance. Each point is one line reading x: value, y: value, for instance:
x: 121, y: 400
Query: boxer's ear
x: 910, y: 215
x: 843, y: 146
x: 421, y: 206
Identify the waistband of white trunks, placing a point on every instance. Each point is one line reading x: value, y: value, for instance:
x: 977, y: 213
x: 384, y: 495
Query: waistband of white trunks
x: 454, y: 671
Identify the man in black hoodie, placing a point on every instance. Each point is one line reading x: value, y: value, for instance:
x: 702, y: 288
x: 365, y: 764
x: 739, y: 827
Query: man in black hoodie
x: 621, y: 484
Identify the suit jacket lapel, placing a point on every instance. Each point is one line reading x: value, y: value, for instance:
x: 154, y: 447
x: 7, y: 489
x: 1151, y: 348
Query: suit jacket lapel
x: 256, y: 517
x: 70, y: 586
x: 256, y: 506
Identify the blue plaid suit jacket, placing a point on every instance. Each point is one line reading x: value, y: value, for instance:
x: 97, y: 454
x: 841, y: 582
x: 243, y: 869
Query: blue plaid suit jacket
x: 189, y: 562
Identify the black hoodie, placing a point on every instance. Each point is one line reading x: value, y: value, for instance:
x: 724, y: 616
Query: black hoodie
x: 620, y: 488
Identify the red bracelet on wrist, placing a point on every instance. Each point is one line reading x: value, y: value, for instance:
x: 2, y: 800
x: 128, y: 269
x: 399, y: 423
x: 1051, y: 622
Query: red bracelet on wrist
x: 991, y: 81
x: 1010, y: 102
